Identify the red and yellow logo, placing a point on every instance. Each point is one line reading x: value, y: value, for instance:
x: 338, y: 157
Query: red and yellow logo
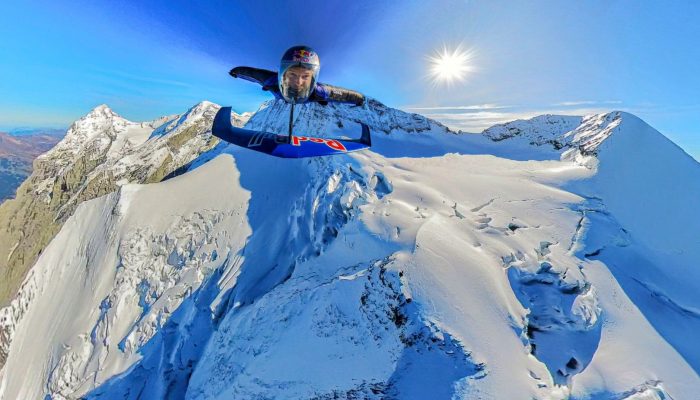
x: 303, y: 55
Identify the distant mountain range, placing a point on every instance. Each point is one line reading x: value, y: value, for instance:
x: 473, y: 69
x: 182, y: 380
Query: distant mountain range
x: 23, y: 131
x: 18, y: 148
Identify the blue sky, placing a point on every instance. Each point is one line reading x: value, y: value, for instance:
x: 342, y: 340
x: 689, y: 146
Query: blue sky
x: 151, y: 58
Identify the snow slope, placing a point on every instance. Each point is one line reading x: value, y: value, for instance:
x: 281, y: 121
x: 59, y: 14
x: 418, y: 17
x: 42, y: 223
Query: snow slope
x: 407, y: 272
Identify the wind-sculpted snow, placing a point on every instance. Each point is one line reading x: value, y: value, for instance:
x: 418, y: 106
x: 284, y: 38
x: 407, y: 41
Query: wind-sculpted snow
x: 366, y: 330
x: 403, y: 272
x: 313, y: 213
x: 563, y: 328
x: 663, y: 300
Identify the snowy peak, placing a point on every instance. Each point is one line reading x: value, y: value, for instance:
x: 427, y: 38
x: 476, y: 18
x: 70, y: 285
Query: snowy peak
x: 623, y: 136
x: 201, y: 109
x: 633, y: 160
x: 317, y: 120
x: 101, y: 117
x: 570, y: 136
x: 96, y: 129
x: 103, y: 132
x: 543, y: 129
x: 595, y: 129
x: 199, y: 115
x: 101, y: 112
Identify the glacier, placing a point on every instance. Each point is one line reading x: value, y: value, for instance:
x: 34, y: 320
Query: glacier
x: 550, y: 258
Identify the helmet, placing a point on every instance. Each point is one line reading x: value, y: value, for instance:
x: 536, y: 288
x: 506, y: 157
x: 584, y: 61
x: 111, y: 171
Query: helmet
x: 298, y: 72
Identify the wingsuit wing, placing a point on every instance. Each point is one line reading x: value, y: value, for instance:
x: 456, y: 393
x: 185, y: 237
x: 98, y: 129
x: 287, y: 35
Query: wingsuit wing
x: 279, y: 145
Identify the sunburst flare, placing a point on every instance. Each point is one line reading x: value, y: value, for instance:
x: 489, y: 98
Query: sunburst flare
x: 450, y: 66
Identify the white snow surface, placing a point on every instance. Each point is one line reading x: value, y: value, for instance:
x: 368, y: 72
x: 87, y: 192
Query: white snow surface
x: 552, y: 258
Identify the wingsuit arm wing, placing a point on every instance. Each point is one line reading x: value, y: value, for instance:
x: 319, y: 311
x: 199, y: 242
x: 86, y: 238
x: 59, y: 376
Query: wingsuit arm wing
x: 257, y: 75
x: 339, y: 95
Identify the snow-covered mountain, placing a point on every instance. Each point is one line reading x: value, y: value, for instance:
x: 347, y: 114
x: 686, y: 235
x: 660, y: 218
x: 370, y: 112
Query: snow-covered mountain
x: 99, y: 153
x: 551, y: 258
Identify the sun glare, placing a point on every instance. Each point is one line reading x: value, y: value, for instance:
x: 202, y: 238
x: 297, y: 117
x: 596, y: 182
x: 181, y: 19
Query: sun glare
x: 450, y: 66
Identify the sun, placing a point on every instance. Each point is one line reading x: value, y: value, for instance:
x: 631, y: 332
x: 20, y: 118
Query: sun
x: 450, y: 66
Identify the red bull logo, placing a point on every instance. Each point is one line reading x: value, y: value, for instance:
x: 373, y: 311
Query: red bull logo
x: 303, y: 55
x: 333, y: 144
